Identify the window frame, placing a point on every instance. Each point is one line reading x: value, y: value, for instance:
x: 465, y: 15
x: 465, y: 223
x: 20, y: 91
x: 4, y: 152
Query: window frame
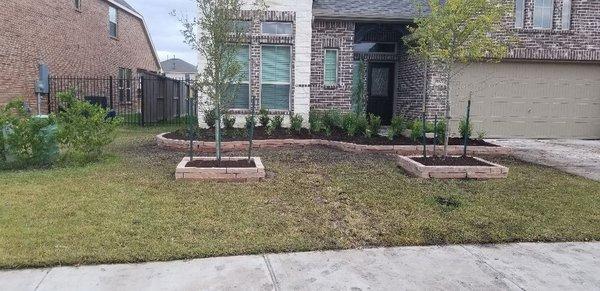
x: 262, y: 28
x: 77, y: 4
x: 124, y: 84
x: 289, y: 84
x: 116, y: 22
x: 538, y: 12
x: 566, y: 14
x: 249, y: 77
x: 337, y: 67
x: 519, y: 14
x: 380, y: 42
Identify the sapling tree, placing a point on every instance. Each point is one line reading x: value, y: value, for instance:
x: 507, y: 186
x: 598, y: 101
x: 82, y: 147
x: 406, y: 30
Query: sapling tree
x: 217, y: 37
x: 456, y: 33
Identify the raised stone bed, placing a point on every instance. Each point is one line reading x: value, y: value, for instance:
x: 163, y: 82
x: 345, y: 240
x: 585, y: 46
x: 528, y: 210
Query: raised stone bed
x: 405, y: 150
x: 224, y: 174
x: 487, y: 171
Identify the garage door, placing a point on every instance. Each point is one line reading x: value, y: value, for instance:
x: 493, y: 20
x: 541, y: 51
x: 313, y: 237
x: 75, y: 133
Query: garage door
x: 530, y: 100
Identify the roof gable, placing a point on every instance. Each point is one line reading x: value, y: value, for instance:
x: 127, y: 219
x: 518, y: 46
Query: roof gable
x: 178, y: 66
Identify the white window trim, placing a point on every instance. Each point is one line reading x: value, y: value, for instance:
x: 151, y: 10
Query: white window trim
x: 551, y: 16
x: 337, y: 67
x: 275, y: 83
x: 116, y: 22
x: 277, y: 34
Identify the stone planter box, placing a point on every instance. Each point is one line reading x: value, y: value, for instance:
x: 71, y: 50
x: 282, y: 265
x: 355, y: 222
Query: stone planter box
x: 226, y: 174
x: 492, y: 171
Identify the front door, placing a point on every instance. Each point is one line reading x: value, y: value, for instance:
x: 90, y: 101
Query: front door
x: 381, y: 91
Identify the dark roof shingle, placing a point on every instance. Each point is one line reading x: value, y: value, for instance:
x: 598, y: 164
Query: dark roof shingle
x: 369, y: 9
x: 124, y: 3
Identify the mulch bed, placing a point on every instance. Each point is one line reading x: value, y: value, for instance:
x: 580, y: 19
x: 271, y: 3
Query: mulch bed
x: 450, y: 161
x: 222, y: 164
x: 261, y: 134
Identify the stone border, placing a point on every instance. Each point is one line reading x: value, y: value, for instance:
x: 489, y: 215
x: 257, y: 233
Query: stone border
x: 493, y: 171
x: 404, y: 150
x: 221, y: 174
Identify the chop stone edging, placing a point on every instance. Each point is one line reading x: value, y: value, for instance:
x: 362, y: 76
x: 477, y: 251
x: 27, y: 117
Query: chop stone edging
x: 228, y: 174
x: 493, y: 171
x: 404, y: 150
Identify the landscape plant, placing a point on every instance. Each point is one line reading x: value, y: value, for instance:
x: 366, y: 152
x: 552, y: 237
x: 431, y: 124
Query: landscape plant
x: 465, y: 128
x: 276, y: 124
x: 332, y: 120
x: 315, y: 121
x: 210, y: 118
x: 455, y: 33
x: 228, y: 122
x: 374, y: 126
x: 216, y: 37
x: 397, y: 126
x: 296, y: 121
x: 263, y: 118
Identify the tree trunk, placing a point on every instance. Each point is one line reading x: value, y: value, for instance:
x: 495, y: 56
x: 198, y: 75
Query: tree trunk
x: 448, y: 72
x: 218, y: 132
x: 251, y: 129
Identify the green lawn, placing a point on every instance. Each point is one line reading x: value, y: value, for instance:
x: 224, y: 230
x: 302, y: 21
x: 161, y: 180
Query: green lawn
x: 129, y: 208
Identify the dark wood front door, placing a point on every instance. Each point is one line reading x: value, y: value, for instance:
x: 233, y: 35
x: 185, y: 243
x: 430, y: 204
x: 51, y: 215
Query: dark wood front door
x: 381, y: 91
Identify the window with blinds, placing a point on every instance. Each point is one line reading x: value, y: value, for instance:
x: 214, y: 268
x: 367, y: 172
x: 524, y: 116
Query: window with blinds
x: 276, y: 77
x: 241, y: 99
x: 542, y: 14
x: 112, y: 21
x: 331, y: 67
x: 519, y: 13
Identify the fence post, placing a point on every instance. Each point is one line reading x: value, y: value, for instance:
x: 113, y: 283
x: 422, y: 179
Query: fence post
x: 142, y: 100
x: 110, y: 86
x: 49, y: 94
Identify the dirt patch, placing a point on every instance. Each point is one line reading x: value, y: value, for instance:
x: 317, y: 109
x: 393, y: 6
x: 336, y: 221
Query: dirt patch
x: 221, y: 164
x: 450, y: 161
x: 261, y: 133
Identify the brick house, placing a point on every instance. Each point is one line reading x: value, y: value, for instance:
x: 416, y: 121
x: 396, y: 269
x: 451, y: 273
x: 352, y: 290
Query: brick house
x: 91, y: 38
x: 303, y: 55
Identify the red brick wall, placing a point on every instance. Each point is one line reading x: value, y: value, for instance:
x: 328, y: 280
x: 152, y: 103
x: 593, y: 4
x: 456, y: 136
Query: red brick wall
x: 70, y: 42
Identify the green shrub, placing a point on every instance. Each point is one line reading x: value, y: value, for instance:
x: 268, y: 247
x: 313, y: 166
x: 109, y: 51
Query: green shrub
x: 228, y: 122
x: 396, y: 128
x: 263, y: 118
x: 481, y: 135
x: 210, y: 118
x: 332, y: 120
x: 276, y: 122
x: 84, y: 128
x: 417, y: 130
x: 465, y: 129
x: 349, y: 123
x: 296, y: 121
x: 315, y: 121
x: 440, y: 130
x: 25, y: 140
x: 374, y: 126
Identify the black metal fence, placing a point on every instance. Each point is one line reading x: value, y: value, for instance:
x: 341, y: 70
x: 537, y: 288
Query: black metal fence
x: 145, y: 99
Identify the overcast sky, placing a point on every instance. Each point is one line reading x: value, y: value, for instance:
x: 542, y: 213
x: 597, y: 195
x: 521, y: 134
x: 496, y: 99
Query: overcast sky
x: 165, y: 29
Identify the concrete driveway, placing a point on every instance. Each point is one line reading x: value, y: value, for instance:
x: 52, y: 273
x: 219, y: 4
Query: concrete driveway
x: 578, y: 157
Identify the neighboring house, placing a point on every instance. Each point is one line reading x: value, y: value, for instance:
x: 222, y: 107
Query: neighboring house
x: 79, y: 38
x: 302, y: 55
x: 179, y: 69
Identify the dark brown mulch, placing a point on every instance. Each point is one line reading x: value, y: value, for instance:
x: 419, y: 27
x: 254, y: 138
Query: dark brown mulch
x: 222, y: 164
x: 450, y: 161
x: 261, y: 134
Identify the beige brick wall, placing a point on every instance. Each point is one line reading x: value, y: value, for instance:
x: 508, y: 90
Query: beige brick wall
x: 70, y: 42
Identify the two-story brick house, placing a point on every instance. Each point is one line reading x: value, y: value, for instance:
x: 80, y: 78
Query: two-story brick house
x: 303, y: 55
x: 91, y: 38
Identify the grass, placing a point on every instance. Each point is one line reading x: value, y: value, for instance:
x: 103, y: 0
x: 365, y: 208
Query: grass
x: 128, y: 208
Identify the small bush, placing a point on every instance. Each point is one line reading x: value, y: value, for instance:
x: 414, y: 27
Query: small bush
x: 440, y: 130
x: 296, y: 121
x: 349, y: 123
x: 417, y: 130
x: 315, y: 121
x: 25, y: 140
x: 374, y: 126
x: 481, y: 135
x: 228, y: 122
x: 396, y: 128
x: 264, y: 118
x: 332, y: 120
x: 210, y: 118
x: 465, y: 129
x: 84, y: 128
x: 277, y: 122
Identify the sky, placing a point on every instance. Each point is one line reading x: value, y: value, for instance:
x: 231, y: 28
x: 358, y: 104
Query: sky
x: 165, y: 29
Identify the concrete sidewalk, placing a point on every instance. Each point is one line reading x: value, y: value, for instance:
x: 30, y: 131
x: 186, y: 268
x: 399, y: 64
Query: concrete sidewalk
x: 499, y: 267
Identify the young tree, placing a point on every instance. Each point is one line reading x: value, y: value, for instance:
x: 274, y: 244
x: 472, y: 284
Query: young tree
x: 455, y: 33
x: 216, y: 35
